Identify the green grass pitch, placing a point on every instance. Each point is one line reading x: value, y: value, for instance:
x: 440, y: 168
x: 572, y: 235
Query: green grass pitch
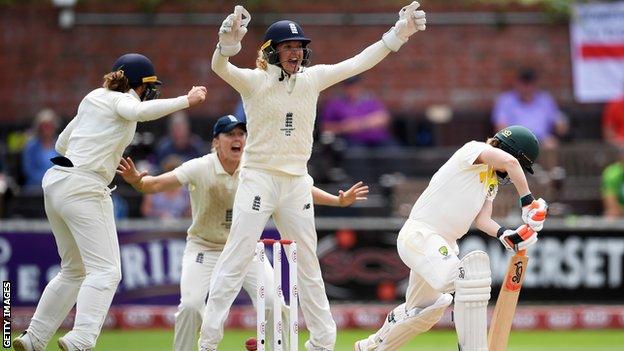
x: 161, y: 340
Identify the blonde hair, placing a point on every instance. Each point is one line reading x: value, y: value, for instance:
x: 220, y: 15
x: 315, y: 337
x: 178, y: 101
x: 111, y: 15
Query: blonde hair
x: 493, y: 141
x: 116, y: 81
x: 261, y: 61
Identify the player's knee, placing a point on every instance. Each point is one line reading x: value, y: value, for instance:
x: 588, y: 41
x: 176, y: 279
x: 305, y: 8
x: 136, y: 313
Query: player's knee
x: 474, y: 281
x: 191, y: 307
x: 104, y: 279
x: 444, y: 281
x: 74, y: 274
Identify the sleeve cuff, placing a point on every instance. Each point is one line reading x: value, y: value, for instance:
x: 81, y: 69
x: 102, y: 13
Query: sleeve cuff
x: 392, y: 41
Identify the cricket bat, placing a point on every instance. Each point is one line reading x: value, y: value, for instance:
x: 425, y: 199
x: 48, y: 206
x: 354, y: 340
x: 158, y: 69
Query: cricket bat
x: 500, y: 325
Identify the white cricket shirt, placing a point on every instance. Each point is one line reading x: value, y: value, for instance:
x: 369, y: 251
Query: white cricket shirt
x: 104, y: 126
x: 281, y: 113
x: 456, y: 193
x: 212, y: 192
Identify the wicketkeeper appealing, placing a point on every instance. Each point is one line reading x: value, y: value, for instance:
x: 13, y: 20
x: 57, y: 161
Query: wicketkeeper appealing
x: 460, y: 193
x: 212, y: 181
x: 280, y: 98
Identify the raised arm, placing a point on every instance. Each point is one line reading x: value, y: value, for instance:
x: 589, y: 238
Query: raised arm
x: 144, y: 183
x: 231, y: 33
x: 533, y: 211
x: 131, y: 109
x: 410, y: 21
x: 357, y: 192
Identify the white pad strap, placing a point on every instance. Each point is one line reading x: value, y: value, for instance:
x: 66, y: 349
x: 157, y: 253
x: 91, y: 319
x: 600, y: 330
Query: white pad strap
x: 402, y: 325
x: 472, y: 292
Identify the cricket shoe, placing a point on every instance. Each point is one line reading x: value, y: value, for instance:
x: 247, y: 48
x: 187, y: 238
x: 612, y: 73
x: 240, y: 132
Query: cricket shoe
x: 27, y: 342
x: 310, y: 347
x: 66, y: 345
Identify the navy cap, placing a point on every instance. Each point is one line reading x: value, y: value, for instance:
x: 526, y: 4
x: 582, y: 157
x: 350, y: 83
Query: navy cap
x: 226, y: 124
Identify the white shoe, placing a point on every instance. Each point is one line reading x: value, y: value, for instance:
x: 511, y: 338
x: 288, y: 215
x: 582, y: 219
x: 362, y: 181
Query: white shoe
x: 310, y: 347
x: 66, y: 345
x: 26, y: 342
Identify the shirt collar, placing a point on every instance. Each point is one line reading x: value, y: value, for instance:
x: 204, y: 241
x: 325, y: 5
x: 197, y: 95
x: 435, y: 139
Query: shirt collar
x: 219, y: 167
x: 133, y: 93
x: 277, y: 71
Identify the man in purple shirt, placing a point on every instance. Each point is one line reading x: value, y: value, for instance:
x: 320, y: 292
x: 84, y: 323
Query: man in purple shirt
x: 358, y: 117
x: 528, y: 106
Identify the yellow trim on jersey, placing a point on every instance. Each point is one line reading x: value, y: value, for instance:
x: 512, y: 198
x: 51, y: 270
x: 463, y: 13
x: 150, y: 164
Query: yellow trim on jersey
x: 150, y: 79
x: 490, y: 180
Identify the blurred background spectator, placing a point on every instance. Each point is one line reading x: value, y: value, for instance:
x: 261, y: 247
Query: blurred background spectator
x: 168, y: 204
x: 39, y: 149
x: 179, y: 141
x: 529, y: 106
x: 613, y: 188
x: 613, y: 122
x: 358, y: 116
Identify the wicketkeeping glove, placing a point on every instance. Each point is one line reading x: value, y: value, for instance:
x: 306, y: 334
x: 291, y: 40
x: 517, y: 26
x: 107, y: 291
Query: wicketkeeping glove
x: 232, y: 31
x: 517, y: 239
x: 534, y: 212
x: 410, y: 21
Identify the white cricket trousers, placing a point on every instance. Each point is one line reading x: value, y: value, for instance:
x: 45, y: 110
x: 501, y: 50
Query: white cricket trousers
x: 198, y: 263
x: 261, y: 194
x: 80, y: 210
x: 433, y: 264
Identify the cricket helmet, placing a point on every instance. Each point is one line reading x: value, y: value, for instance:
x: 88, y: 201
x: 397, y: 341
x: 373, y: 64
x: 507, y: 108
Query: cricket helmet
x: 137, y: 68
x: 280, y: 32
x: 521, y: 143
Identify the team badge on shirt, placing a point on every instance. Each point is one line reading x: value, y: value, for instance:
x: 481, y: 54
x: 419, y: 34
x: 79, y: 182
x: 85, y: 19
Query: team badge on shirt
x: 443, y: 250
x: 288, y: 124
x: 256, y: 203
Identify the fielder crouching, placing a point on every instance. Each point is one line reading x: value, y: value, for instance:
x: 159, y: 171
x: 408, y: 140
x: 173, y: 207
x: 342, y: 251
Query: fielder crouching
x: 460, y: 192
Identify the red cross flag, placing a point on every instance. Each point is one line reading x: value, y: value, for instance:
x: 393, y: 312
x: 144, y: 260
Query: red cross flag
x: 597, y: 39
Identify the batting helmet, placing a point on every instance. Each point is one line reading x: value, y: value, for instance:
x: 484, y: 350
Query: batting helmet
x: 280, y: 32
x: 137, y: 68
x: 521, y: 143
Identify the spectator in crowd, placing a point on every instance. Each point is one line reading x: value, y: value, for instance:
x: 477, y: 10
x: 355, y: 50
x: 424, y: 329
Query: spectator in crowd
x: 531, y: 107
x: 172, y: 203
x: 180, y: 141
x: 613, y: 188
x: 40, y: 148
x: 613, y: 122
x: 358, y: 116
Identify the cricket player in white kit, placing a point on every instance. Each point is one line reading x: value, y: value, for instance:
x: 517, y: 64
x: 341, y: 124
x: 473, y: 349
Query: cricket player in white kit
x: 460, y: 193
x: 212, y: 181
x: 280, y: 98
x: 78, y: 203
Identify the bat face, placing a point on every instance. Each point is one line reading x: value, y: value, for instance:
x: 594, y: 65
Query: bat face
x: 515, y: 274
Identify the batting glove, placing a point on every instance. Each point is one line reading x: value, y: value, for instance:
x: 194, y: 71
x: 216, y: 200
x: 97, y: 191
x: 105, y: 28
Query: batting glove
x: 410, y: 21
x: 517, y: 239
x: 534, y: 212
x: 232, y: 31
